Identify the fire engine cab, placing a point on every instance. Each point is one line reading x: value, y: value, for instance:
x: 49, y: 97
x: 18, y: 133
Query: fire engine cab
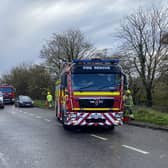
x: 90, y: 93
x: 8, y: 93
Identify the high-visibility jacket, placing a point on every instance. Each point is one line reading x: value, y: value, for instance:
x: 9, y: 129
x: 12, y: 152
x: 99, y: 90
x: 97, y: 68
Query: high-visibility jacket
x: 49, y: 98
x: 128, y: 101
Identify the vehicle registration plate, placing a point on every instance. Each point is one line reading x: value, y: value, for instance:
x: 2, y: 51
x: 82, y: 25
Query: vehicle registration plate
x: 95, y: 116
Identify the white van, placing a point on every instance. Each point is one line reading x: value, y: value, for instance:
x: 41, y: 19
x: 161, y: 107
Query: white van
x: 1, y: 100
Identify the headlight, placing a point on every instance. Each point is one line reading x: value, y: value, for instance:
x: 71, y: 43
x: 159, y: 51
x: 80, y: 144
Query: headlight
x: 1, y: 100
x: 119, y: 115
x: 73, y: 115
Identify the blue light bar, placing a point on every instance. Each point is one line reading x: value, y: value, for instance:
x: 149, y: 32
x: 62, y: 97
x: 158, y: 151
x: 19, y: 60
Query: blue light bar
x: 113, y: 61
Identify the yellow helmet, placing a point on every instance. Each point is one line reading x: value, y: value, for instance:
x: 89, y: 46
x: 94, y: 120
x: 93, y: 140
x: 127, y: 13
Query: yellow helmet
x: 128, y: 91
x: 48, y: 93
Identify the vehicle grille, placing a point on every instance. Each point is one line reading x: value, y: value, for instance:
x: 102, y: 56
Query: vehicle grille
x: 96, y: 103
x: 95, y: 120
x: 27, y: 103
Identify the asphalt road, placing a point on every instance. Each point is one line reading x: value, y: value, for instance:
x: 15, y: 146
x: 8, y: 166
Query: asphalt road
x: 32, y: 138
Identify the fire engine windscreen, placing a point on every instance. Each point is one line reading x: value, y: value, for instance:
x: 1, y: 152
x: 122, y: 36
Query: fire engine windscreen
x: 6, y: 89
x: 96, y: 82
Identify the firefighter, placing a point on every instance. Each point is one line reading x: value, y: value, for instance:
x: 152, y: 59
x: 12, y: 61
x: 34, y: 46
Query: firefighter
x: 49, y: 100
x: 128, y: 104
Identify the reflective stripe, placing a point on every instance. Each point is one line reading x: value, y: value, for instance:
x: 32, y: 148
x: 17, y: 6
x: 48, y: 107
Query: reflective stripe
x: 110, y: 118
x: 96, y: 109
x: 81, y: 120
x: 96, y: 93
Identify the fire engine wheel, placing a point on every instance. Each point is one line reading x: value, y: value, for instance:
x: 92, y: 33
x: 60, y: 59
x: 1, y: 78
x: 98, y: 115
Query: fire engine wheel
x: 56, y: 113
x: 111, y: 128
x: 66, y: 127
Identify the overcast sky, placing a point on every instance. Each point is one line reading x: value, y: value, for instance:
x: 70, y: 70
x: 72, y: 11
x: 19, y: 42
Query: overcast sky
x: 26, y: 24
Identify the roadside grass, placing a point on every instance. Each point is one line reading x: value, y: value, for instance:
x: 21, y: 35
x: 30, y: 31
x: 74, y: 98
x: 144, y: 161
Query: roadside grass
x: 40, y: 103
x: 149, y: 115
x: 143, y: 114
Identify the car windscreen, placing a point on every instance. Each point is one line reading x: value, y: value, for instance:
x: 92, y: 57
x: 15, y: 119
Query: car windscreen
x: 96, y: 82
x: 25, y: 98
x: 6, y: 89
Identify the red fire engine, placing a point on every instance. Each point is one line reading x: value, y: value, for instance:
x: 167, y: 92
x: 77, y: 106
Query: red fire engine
x: 90, y: 93
x: 8, y: 93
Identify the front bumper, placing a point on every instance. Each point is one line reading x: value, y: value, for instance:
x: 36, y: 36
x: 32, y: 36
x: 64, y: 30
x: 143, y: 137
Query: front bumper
x: 9, y: 100
x: 1, y: 104
x: 94, y: 119
x: 26, y: 104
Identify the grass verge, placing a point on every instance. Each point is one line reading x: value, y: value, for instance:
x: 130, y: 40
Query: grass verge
x: 40, y: 103
x: 143, y: 114
x: 151, y: 116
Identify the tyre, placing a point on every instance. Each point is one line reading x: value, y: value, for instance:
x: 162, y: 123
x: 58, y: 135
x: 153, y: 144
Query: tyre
x: 56, y: 113
x: 111, y: 128
x: 66, y: 127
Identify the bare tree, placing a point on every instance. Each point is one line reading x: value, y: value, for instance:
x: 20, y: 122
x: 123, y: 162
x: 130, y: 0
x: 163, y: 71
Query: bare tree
x: 164, y: 38
x: 141, y: 35
x: 64, y: 47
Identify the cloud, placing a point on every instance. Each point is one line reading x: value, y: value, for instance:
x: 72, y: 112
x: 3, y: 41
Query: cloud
x: 25, y: 25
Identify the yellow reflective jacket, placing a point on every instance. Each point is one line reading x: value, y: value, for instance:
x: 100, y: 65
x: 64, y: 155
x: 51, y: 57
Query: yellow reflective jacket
x: 128, y: 101
x: 49, y: 98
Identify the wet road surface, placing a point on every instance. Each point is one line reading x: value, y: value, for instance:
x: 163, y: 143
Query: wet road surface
x: 33, y: 138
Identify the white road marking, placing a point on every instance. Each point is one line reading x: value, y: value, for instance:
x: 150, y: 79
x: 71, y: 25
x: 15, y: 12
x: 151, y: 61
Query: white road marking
x: 38, y: 117
x: 163, y: 156
x: 31, y: 114
x: 13, y: 112
x: 99, y: 137
x: 45, y: 119
x: 3, y: 160
x: 135, y: 149
x: 13, y: 107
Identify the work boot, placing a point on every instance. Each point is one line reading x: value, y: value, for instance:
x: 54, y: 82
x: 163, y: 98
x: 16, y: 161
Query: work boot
x: 131, y: 116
